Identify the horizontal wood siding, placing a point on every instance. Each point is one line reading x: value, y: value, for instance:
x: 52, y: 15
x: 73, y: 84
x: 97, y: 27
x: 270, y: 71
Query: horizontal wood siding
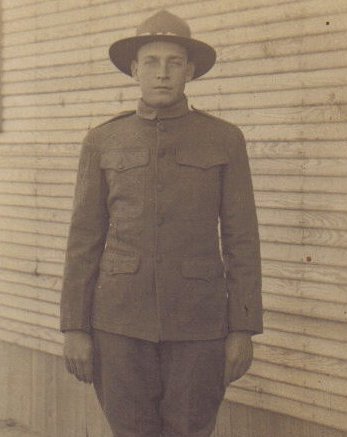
x: 282, y: 77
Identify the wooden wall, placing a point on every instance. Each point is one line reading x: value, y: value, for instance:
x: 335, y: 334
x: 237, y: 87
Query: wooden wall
x: 40, y: 395
x: 282, y: 77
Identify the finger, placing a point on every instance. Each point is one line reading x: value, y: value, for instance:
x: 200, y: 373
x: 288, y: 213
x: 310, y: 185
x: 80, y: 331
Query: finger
x: 88, y: 371
x: 237, y: 370
x: 75, y: 368
x: 80, y: 370
x: 67, y: 364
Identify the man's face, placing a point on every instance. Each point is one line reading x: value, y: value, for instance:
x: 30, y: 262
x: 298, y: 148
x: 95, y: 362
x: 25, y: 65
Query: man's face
x: 162, y: 70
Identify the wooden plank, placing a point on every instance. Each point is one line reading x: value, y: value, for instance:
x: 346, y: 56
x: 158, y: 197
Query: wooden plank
x: 33, y: 283
x: 285, y: 29
x: 238, y: 14
x: 323, y: 292
x: 29, y: 317
x: 38, y: 332
x: 295, y: 359
x: 303, y: 343
x: 321, y: 42
x: 53, y: 215
x: 35, y: 201
x: 280, y: 64
x: 304, y: 272
x: 303, y: 235
x: 48, y: 137
x: 39, y: 176
x: 284, y: 81
x: 304, y: 253
x: 293, y: 98
x: 15, y: 287
x: 295, y: 166
x: 54, y: 162
x: 19, y: 385
x: 303, y: 378
x: 32, y: 267
x: 30, y: 304
x: 288, y: 391
x: 33, y: 240
x: 41, y: 150
x: 305, y: 307
x: 13, y: 4
x: 296, y: 323
x: 308, y: 219
x: 305, y: 201
x: 30, y: 342
x: 29, y: 189
x: 289, y: 407
x: 69, y: 402
x: 299, y: 183
x: 38, y: 227
x: 22, y: 252
x: 295, y: 132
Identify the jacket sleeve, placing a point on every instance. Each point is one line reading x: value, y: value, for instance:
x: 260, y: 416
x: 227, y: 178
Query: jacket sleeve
x: 240, y: 239
x: 86, y: 240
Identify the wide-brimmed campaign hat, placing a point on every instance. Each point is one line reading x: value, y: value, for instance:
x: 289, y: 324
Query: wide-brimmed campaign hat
x: 163, y: 26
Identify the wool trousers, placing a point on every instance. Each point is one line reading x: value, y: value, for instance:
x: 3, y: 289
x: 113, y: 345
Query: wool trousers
x: 165, y: 389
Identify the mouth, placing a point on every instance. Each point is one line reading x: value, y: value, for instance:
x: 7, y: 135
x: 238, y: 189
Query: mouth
x: 162, y: 88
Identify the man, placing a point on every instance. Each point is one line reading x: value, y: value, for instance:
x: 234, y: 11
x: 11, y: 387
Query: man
x: 152, y: 314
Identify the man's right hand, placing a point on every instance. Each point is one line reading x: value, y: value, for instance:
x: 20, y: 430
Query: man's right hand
x: 78, y: 355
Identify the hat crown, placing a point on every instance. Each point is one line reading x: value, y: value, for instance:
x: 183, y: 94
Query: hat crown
x: 164, y: 23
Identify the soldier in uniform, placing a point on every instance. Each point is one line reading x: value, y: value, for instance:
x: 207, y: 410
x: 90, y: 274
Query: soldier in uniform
x: 158, y: 306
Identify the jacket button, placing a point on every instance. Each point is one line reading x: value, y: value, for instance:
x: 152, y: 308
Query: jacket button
x: 159, y: 258
x: 161, y: 153
x: 161, y: 126
x: 160, y: 187
x: 160, y: 220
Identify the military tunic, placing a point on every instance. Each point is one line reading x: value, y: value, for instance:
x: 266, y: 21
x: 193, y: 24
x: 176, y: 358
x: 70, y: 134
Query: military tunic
x: 163, y: 242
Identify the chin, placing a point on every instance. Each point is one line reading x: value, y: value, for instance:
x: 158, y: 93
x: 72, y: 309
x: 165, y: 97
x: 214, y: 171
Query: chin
x: 162, y: 102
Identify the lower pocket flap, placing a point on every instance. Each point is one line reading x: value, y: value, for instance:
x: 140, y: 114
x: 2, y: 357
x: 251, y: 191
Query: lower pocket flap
x: 202, y: 267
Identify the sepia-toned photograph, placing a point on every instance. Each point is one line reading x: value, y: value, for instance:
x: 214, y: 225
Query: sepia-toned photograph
x: 173, y: 218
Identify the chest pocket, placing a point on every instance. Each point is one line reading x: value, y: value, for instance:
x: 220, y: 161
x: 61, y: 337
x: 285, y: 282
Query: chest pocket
x: 199, y: 179
x: 125, y: 172
x: 203, y: 157
x: 122, y: 160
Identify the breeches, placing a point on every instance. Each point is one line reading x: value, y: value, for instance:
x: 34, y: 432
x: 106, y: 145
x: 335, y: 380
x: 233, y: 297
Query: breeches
x: 167, y: 389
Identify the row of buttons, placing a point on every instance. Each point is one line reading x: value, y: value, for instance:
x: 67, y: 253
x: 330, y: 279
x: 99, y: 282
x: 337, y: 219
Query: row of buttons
x: 161, y: 153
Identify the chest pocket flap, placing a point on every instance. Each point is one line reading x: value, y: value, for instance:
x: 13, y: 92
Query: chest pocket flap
x: 124, y: 159
x: 204, y: 156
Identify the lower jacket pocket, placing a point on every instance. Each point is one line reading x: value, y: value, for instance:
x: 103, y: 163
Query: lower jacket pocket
x: 202, y: 267
x: 117, y: 262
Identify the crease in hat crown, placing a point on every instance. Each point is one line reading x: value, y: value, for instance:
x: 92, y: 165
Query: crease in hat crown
x: 163, y: 26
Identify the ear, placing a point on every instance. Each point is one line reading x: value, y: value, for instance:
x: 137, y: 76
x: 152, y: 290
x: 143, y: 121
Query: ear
x: 133, y: 67
x: 190, y: 71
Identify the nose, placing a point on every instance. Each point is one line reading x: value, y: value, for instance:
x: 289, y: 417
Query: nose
x: 163, y: 71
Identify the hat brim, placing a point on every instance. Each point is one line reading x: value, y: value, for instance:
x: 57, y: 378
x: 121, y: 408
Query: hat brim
x: 122, y: 52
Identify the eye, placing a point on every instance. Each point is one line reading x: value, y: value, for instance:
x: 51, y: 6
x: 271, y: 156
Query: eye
x: 149, y: 61
x: 176, y: 62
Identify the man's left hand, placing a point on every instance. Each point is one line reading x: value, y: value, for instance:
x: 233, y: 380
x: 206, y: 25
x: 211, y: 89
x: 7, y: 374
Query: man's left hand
x: 239, y: 355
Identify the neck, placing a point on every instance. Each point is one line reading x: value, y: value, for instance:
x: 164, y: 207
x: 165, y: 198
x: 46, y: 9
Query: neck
x: 178, y: 109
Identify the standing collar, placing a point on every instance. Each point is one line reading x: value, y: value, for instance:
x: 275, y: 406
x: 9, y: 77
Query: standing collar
x: 177, y: 110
